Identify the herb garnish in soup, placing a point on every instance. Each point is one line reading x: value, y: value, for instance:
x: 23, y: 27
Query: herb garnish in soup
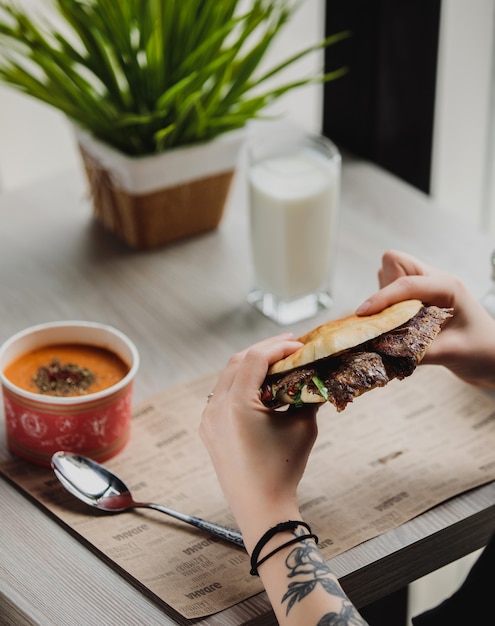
x: 63, y: 380
x: 66, y: 370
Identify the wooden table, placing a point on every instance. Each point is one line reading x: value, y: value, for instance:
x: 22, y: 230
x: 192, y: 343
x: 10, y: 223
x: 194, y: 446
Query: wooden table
x: 185, y: 308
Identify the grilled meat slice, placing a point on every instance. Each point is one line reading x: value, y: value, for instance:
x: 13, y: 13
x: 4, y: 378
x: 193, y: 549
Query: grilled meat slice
x: 357, y: 372
x: 413, y: 338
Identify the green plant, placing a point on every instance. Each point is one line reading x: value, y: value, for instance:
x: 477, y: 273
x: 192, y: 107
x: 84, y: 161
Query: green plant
x: 147, y: 75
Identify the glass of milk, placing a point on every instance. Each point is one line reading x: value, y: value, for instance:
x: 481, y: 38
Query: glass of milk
x: 294, y: 193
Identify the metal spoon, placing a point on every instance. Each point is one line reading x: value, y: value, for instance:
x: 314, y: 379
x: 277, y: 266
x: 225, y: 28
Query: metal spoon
x: 97, y: 486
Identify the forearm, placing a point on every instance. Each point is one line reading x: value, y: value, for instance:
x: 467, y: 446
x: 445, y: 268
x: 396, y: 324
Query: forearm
x: 260, y: 456
x: 300, y: 585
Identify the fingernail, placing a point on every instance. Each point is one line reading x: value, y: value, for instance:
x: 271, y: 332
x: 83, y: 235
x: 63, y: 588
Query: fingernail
x: 363, y: 308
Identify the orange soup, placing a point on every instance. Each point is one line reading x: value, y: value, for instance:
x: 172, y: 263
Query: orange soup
x: 66, y: 370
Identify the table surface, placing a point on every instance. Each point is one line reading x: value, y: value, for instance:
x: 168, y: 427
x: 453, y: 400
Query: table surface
x: 185, y: 308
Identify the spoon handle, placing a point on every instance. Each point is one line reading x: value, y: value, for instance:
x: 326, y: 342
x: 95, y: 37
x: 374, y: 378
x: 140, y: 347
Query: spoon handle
x: 224, y: 532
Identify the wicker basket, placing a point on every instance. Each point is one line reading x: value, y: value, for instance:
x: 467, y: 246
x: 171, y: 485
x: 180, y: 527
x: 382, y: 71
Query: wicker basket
x: 153, y: 200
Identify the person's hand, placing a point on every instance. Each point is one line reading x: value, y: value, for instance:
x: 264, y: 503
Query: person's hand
x: 259, y: 454
x: 466, y: 344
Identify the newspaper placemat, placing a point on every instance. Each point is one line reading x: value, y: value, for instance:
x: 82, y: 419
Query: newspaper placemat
x: 391, y: 455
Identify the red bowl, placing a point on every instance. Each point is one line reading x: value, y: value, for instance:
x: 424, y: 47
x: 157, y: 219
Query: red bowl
x: 95, y: 425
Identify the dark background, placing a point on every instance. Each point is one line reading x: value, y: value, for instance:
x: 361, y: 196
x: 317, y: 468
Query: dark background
x: 383, y: 108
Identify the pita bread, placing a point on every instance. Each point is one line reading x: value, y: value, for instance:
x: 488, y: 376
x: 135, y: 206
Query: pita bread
x: 347, y: 332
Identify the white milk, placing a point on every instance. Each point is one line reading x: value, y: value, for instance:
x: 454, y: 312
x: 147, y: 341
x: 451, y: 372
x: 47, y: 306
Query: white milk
x: 293, y: 209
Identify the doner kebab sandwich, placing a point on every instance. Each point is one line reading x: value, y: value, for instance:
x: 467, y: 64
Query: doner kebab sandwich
x: 344, y: 358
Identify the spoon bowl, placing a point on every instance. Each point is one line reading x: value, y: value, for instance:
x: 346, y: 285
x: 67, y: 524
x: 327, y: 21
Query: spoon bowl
x: 94, y: 484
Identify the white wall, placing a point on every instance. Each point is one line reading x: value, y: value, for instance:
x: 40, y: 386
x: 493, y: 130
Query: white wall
x: 463, y: 141
x: 35, y: 140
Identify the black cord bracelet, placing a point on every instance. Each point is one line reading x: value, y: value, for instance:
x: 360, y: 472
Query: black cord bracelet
x: 271, y: 532
x: 254, y: 570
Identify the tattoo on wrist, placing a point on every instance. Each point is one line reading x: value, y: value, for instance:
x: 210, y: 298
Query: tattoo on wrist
x: 307, y: 569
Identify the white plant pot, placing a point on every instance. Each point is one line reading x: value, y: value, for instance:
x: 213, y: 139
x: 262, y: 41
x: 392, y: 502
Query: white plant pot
x: 155, y: 199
